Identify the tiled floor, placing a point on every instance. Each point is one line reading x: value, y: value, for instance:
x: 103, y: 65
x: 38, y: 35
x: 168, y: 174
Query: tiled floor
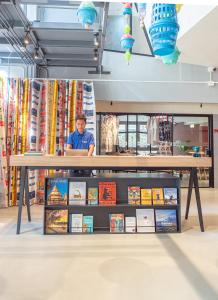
x: 102, y: 267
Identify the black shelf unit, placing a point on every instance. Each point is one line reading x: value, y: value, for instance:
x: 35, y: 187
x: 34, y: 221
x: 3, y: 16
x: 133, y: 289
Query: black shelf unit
x: 101, y: 213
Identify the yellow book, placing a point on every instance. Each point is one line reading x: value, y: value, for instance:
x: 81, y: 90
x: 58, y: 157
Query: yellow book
x: 158, y: 197
x: 146, y: 197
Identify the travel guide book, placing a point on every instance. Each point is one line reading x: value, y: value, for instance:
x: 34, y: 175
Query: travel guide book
x: 57, y: 191
x: 107, y: 193
x: 93, y: 196
x: 116, y: 223
x: 130, y: 224
x: 77, y: 193
x: 157, y: 196
x: 88, y: 224
x: 56, y: 221
x: 145, y: 220
x: 76, y: 222
x: 146, y: 197
x: 134, y: 195
x: 166, y: 220
x: 170, y: 196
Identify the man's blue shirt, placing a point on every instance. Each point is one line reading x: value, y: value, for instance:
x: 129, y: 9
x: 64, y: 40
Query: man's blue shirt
x: 81, y: 141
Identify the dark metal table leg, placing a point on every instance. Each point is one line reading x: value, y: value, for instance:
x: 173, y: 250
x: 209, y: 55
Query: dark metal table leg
x: 198, y: 199
x: 27, y: 196
x: 190, y: 186
x: 23, y: 174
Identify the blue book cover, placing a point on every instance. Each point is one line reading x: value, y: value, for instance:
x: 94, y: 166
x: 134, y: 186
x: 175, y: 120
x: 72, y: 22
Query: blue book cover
x: 170, y: 196
x: 88, y: 224
x: 166, y: 220
x: 57, y: 191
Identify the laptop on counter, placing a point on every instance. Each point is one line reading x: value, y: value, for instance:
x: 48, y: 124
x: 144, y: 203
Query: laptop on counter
x: 76, y: 152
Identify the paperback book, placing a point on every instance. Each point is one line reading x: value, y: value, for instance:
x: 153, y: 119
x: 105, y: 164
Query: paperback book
x: 93, y: 196
x: 77, y: 193
x: 145, y: 220
x: 158, y: 197
x: 130, y: 224
x: 88, y: 224
x: 116, y: 223
x: 76, y: 222
x: 56, y: 221
x: 146, y: 197
x: 134, y: 195
x: 170, y: 196
x: 107, y: 193
x: 166, y: 220
x: 57, y: 191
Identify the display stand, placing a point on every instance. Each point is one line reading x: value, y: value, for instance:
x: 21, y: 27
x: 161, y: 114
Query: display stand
x: 111, y: 163
x: 101, y: 213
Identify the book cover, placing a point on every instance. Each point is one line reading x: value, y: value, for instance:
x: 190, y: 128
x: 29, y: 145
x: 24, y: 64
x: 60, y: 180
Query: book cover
x: 130, y: 224
x: 116, y: 223
x: 134, y: 195
x: 77, y: 193
x: 88, y: 224
x: 166, y: 220
x: 76, y: 222
x: 93, y: 196
x: 157, y: 196
x: 107, y: 193
x: 146, y: 197
x: 170, y: 196
x: 57, y: 191
x: 56, y: 221
x: 145, y: 220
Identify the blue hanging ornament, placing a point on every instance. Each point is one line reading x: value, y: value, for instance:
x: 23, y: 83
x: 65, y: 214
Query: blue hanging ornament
x: 164, y: 29
x: 87, y: 14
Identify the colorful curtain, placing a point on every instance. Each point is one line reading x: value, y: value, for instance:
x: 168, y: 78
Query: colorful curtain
x: 38, y: 115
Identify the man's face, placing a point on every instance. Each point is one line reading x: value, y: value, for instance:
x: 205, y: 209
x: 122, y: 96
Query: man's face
x: 80, y: 125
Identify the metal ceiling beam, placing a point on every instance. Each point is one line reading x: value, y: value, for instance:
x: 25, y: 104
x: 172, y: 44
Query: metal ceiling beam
x: 72, y: 63
x: 64, y: 43
x: 64, y: 56
x: 58, y: 3
x: 26, y: 24
x: 57, y: 26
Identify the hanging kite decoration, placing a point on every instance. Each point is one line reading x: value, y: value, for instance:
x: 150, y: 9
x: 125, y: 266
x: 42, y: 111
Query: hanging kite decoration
x: 87, y: 14
x: 142, y: 13
x: 164, y: 28
x: 127, y: 39
x: 172, y: 58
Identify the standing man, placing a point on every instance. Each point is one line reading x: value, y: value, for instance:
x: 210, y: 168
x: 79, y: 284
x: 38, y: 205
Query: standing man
x: 81, y: 139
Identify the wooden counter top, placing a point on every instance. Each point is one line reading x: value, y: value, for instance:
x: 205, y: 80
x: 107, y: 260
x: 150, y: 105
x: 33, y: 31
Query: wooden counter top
x: 111, y: 161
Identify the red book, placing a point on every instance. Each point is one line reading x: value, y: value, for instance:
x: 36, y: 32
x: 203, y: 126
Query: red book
x: 107, y: 193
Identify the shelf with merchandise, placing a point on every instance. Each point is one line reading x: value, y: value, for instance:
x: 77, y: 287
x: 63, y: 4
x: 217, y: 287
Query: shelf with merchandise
x: 100, y: 213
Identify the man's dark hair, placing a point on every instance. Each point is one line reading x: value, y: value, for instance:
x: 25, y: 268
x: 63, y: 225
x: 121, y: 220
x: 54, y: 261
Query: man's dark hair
x: 81, y: 117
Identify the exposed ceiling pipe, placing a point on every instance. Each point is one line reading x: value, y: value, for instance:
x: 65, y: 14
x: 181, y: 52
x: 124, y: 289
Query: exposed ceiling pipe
x: 14, y: 39
x: 26, y: 24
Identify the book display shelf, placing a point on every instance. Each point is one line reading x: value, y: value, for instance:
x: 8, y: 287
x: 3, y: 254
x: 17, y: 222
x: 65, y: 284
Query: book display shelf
x: 113, y: 203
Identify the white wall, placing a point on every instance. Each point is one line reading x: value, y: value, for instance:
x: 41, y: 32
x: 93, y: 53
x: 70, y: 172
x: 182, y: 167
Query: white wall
x: 125, y: 82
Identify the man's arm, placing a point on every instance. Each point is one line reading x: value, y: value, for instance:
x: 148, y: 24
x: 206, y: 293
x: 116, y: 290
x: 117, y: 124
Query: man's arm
x: 91, y: 149
x: 70, y: 142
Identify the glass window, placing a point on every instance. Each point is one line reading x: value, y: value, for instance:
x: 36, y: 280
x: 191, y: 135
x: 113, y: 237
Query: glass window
x: 191, y: 137
x: 131, y: 140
